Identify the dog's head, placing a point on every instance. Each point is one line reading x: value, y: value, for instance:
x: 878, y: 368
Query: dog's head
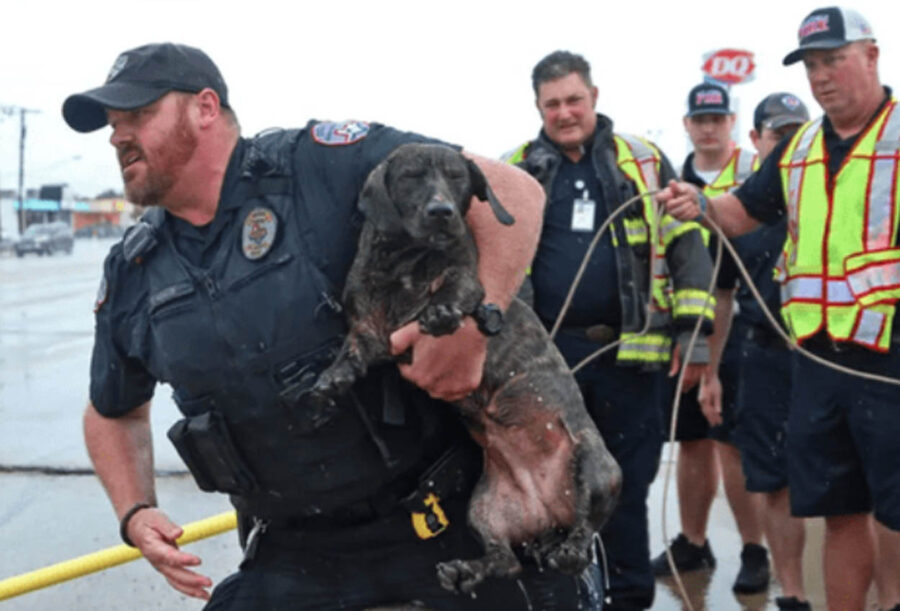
x: 424, y: 190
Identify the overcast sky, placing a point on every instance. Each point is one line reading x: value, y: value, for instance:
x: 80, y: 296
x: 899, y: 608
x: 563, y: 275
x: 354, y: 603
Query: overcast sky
x: 458, y: 70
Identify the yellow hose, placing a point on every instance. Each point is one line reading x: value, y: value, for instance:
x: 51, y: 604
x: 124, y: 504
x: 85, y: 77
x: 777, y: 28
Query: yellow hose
x: 106, y: 558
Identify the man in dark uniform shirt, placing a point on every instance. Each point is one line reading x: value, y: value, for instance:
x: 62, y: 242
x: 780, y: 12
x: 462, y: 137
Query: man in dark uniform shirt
x: 227, y: 289
x: 587, y: 172
x: 835, y: 179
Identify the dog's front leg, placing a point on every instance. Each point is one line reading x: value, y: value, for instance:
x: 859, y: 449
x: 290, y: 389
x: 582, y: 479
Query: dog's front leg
x: 454, y: 294
x: 359, y: 351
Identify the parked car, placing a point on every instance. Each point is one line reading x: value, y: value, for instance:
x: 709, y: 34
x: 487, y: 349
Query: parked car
x: 100, y: 230
x: 46, y: 239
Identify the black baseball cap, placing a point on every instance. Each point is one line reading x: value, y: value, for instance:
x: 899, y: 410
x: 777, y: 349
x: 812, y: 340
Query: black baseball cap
x: 141, y: 76
x: 708, y: 99
x: 829, y: 28
x: 779, y: 109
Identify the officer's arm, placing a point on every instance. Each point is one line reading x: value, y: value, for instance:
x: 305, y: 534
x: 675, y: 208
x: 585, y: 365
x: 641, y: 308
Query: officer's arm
x: 505, y: 252
x: 121, y: 450
x: 682, y: 200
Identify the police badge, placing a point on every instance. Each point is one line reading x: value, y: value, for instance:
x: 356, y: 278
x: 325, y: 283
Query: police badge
x: 258, y: 234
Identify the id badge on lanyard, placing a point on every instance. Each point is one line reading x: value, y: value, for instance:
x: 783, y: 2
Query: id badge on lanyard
x: 583, y: 213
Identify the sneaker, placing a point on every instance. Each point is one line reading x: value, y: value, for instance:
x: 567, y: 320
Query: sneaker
x: 687, y: 557
x: 754, y: 574
x: 792, y: 603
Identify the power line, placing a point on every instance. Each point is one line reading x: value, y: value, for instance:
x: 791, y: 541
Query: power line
x: 10, y: 110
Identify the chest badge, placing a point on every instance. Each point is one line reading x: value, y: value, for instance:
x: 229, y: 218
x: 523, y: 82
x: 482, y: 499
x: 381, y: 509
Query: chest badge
x: 258, y: 235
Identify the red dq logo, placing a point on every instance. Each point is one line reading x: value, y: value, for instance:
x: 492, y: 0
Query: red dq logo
x: 730, y: 66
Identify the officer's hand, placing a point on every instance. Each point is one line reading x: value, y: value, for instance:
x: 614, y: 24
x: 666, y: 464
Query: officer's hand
x: 710, y: 398
x: 154, y: 534
x: 680, y: 200
x: 448, y: 367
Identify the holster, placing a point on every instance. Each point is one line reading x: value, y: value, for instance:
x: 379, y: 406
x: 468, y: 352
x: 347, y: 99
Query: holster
x: 206, y: 447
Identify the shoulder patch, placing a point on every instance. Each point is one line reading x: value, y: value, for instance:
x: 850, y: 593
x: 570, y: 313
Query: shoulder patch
x: 339, y: 134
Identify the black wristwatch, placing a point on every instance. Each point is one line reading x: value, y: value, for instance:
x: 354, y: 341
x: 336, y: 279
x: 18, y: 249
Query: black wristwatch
x: 489, y: 317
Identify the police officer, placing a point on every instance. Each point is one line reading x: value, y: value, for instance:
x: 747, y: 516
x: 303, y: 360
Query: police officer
x: 587, y: 172
x: 835, y: 180
x: 227, y: 289
x: 706, y: 420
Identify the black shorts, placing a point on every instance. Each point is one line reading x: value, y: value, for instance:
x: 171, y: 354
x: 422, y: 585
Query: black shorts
x: 763, y: 401
x: 844, y: 436
x: 692, y: 425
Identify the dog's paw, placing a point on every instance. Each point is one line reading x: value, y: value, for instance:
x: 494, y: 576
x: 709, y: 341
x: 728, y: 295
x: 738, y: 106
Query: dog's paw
x: 440, y: 319
x: 334, y: 382
x: 460, y: 576
x: 570, y: 557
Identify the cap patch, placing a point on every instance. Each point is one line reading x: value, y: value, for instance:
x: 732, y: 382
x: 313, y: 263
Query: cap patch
x: 338, y: 134
x: 790, y: 102
x: 258, y: 235
x: 813, y: 25
x: 712, y: 96
x: 117, y: 67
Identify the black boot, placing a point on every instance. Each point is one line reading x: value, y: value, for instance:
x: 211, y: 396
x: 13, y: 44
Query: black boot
x: 792, y: 603
x: 754, y: 574
x: 687, y: 557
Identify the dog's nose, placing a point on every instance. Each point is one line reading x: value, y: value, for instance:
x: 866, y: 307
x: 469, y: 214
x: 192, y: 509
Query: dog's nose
x: 439, y: 209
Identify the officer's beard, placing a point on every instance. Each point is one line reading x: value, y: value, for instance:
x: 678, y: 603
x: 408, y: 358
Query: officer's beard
x: 166, y: 164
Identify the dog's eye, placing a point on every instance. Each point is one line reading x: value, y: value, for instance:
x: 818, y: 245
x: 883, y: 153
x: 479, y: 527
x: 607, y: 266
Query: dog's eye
x: 456, y: 175
x: 412, y: 175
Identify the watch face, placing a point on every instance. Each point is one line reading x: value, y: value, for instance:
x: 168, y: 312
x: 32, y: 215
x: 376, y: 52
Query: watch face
x: 490, y: 319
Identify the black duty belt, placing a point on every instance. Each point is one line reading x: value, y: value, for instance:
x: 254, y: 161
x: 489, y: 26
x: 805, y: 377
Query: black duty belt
x: 600, y: 333
x: 821, y: 342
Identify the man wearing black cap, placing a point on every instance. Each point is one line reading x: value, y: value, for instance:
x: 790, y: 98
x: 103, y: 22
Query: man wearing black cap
x: 705, y: 427
x: 227, y: 290
x: 835, y: 181
x: 762, y: 368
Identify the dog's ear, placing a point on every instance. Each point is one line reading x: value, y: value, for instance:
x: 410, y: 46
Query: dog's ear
x: 482, y: 190
x: 375, y: 202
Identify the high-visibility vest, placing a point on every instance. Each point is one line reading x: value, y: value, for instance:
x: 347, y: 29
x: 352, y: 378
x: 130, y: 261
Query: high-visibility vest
x: 840, y: 268
x: 740, y: 166
x: 640, y: 162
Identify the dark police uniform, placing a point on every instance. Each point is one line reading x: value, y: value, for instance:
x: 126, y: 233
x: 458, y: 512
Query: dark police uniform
x: 762, y: 363
x: 240, y: 316
x: 623, y: 401
x: 842, y: 430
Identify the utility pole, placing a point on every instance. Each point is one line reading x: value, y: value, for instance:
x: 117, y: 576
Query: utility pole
x: 8, y: 110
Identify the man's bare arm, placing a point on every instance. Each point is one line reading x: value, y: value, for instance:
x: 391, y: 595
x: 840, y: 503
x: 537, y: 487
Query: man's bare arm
x: 682, y: 200
x: 121, y: 450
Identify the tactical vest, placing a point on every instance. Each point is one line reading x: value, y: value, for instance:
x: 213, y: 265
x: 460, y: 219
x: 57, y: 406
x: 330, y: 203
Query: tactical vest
x: 243, y: 341
x: 840, y: 268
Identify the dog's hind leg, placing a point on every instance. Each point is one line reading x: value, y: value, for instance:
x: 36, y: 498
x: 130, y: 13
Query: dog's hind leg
x: 597, y: 484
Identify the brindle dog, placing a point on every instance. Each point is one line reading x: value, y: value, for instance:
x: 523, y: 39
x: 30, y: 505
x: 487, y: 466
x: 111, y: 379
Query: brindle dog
x: 548, y: 481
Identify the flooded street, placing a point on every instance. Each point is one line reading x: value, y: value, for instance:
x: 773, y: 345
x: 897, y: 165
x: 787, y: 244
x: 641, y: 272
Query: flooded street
x: 53, y: 509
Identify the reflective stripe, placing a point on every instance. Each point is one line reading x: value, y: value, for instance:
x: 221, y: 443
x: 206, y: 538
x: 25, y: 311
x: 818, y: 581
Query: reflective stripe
x: 649, y: 348
x: 694, y: 303
x: 880, y: 198
x: 744, y: 167
x: 869, y: 329
x: 635, y: 230
x: 875, y: 277
x: 645, y: 158
x: 810, y: 288
x: 795, y: 174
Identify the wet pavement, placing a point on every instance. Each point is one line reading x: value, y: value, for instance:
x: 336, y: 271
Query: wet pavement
x: 53, y: 509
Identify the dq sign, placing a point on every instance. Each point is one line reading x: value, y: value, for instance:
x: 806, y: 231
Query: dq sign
x: 731, y: 66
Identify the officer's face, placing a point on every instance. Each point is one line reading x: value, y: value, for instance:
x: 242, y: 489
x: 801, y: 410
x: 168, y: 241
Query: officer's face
x: 153, y: 143
x: 567, y: 110
x: 709, y: 133
x: 841, y: 79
